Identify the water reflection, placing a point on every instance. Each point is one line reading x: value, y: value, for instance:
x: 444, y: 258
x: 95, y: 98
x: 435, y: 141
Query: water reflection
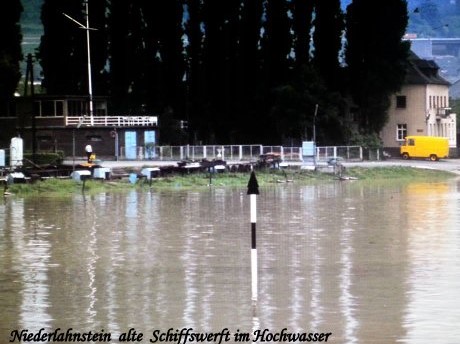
x: 33, y: 260
x: 433, y: 310
x: 369, y: 263
x: 346, y: 299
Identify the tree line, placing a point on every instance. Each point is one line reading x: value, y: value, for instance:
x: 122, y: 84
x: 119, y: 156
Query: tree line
x: 237, y: 71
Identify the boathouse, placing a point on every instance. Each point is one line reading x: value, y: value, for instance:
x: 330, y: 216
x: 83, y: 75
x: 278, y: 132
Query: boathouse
x: 64, y: 123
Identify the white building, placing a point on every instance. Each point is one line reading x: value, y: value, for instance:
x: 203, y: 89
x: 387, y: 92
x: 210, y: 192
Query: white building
x: 420, y: 108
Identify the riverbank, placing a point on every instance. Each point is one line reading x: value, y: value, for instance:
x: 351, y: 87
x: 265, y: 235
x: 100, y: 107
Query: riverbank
x: 198, y: 180
x: 451, y: 165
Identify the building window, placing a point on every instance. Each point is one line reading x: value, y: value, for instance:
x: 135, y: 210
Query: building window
x: 401, y: 132
x: 49, y: 108
x: 77, y: 108
x: 400, y: 102
x: 59, y: 108
x: 100, y: 108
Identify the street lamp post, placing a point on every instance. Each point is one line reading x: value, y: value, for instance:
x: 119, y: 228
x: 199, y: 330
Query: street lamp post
x: 114, y: 134
x: 314, y: 134
x: 314, y: 124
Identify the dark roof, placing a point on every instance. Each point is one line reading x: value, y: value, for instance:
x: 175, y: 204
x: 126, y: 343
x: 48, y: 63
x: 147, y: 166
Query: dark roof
x: 423, y: 72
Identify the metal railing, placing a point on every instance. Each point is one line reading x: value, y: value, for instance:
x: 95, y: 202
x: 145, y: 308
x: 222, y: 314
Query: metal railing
x: 345, y: 152
x: 248, y: 153
x: 112, y: 121
x: 210, y: 152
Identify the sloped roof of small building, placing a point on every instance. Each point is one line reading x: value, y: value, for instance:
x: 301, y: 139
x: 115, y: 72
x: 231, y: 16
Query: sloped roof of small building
x: 454, y: 90
x: 423, y: 72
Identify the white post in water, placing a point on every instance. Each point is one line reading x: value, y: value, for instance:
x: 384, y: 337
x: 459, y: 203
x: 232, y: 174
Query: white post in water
x: 253, y: 191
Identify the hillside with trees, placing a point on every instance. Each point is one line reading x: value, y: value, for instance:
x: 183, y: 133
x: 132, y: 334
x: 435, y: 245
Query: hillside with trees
x: 434, y: 18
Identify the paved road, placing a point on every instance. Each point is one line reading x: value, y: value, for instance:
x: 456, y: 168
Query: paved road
x: 452, y: 165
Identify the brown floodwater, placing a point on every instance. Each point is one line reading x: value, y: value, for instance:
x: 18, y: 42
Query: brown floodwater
x: 368, y: 263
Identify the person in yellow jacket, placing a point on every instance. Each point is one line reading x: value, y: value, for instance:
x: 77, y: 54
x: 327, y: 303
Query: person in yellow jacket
x: 89, y: 153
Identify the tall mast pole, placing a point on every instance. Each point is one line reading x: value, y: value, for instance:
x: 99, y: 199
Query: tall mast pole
x: 90, y: 83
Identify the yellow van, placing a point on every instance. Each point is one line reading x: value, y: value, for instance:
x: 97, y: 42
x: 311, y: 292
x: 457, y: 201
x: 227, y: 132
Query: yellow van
x: 433, y: 148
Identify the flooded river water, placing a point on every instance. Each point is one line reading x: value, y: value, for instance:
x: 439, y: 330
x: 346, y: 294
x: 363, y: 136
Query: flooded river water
x: 366, y: 263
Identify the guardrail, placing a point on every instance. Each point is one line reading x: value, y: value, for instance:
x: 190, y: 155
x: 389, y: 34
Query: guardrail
x: 244, y: 152
x: 345, y: 152
x: 210, y: 152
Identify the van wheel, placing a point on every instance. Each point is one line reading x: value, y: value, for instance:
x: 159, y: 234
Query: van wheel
x: 405, y: 156
x: 433, y: 157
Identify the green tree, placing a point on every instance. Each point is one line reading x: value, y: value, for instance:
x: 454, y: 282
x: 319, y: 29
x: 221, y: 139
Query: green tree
x: 294, y: 110
x: 194, y: 93
x: 276, y: 44
x: 238, y: 70
x: 302, y: 13
x: 146, y: 62
x: 63, y: 48
x: 127, y: 48
x: 376, y: 57
x: 99, y: 45
x: 220, y: 45
x: 168, y: 18
x: 276, y: 63
x: 10, y: 49
x: 327, y: 40
x: 163, y: 63
x: 248, y: 72
x: 122, y: 47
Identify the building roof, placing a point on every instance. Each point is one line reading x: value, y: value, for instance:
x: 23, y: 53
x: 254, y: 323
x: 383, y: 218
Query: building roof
x: 423, y: 72
x: 454, y: 90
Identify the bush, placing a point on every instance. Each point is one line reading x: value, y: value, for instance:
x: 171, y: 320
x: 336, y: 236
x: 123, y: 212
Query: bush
x: 365, y: 140
x: 44, y: 158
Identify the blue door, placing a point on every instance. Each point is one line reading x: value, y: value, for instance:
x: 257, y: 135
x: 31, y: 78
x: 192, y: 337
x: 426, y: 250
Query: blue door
x: 130, y: 144
x: 149, y: 141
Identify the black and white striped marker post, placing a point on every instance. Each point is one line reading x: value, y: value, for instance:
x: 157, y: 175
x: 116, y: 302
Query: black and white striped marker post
x: 253, y: 191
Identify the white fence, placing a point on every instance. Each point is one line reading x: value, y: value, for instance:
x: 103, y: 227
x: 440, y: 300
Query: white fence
x: 211, y: 152
x: 247, y: 152
x: 345, y: 152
